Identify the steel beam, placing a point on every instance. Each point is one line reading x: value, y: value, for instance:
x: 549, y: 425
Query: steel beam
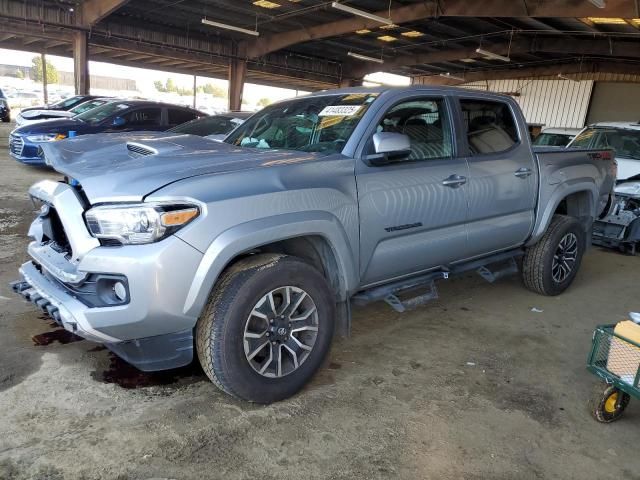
x: 450, y: 8
x: 81, y: 63
x: 92, y: 11
x: 237, y: 77
x: 579, y: 71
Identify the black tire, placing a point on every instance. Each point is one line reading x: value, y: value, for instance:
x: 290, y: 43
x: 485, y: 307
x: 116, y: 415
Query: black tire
x: 220, y: 330
x: 608, y: 406
x: 6, y: 119
x: 537, y: 264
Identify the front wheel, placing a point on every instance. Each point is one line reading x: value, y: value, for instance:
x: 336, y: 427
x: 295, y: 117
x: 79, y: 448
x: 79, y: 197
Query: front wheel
x: 267, y: 328
x: 550, y: 266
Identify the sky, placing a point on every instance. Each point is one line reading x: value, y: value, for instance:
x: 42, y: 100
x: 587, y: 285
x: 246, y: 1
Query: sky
x: 145, y: 78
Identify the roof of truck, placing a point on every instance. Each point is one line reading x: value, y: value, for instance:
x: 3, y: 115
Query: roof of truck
x: 382, y: 89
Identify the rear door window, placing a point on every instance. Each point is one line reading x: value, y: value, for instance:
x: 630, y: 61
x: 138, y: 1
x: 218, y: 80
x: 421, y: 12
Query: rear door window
x: 144, y: 117
x: 490, y: 126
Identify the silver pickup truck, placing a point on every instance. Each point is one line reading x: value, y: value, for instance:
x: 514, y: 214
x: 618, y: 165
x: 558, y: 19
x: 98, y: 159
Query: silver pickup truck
x: 249, y: 253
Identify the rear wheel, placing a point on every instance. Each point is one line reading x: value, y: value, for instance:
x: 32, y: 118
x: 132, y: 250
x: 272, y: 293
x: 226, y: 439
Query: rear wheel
x: 549, y: 266
x: 267, y: 328
x: 608, y: 406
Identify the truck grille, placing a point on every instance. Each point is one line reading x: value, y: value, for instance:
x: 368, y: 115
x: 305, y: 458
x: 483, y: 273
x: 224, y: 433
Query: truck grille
x: 16, y: 145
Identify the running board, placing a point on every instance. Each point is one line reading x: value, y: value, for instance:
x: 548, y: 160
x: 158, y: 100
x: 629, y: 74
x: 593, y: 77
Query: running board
x: 492, y: 276
x: 390, y: 292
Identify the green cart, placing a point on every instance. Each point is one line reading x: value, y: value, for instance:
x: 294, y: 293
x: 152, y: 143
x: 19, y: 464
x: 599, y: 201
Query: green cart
x: 613, y: 352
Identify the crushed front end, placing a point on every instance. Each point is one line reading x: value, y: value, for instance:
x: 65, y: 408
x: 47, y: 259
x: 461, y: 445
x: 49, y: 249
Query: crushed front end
x: 620, y: 229
x: 128, y: 297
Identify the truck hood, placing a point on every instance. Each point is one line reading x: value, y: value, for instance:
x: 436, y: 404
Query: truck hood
x: 127, y: 167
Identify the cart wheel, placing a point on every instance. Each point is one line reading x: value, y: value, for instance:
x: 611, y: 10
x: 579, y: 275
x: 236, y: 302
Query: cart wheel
x: 608, y: 406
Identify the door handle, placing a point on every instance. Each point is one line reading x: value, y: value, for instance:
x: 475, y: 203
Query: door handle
x: 523, y: 172
x: 454, y: 181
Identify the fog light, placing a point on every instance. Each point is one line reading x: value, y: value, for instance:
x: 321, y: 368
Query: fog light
x: 120, y: 291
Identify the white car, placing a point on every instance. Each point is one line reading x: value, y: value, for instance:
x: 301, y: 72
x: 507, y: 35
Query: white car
x: 556, y: 137
x: 32, y: 116
x: 623, y: 137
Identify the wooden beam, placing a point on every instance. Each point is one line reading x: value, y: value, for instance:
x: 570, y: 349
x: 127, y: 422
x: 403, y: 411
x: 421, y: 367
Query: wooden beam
x: 92, y: 11
x: 435, y: 9
x: 80, y: 63
x: 237, y: 77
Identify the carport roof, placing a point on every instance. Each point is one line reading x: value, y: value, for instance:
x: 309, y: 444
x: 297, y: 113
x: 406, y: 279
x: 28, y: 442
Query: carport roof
x: 305, y: 43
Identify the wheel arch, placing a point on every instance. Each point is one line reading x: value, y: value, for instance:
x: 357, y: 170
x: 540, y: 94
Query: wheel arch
x: 578, y: 200
x: 316, y: 237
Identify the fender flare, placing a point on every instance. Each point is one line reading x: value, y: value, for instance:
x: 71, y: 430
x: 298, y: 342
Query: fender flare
x: 250, y: 235
x: 552, y: 200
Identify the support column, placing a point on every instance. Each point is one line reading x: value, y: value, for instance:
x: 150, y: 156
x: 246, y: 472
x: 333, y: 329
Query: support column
x: 45, y: 92
x: 195, y: 90
x: 81, y: 63
x: 237, y: 76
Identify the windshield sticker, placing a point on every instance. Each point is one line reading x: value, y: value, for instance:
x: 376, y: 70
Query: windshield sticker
x: 340, y: 110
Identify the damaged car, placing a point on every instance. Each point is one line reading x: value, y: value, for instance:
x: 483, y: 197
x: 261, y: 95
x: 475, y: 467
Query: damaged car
x: 620, y: 229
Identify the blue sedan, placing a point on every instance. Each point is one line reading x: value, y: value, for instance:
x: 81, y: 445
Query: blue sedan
x: 115, y: 116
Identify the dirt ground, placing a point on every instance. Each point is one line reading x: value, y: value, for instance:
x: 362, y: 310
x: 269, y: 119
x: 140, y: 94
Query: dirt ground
x: 475, y: 385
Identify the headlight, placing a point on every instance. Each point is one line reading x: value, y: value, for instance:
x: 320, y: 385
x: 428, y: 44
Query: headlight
x: 136, y: 224
x: 46, y: 137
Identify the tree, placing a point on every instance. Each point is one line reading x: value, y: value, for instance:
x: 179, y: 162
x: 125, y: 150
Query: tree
x: 19, y: 74
x: 159, y: 86
x: 263, y: 102
x: 36, y: 70
x: 170, y: 85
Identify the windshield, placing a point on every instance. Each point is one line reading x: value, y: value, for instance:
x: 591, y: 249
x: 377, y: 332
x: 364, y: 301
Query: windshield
x: 83, y: 107
x: 67, y: 102
x: 552, y: 140
x: 96, y: 115
x: 312, y: 124
x: 626, y: 143
x: 216, y: 125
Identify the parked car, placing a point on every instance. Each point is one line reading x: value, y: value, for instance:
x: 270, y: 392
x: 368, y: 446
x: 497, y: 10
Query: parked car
x: 556, y: 137
x: 119, y: 116
x: 248, y: 252
x: 5, y: 110
x: 26, y: 117
x: 64, y: 104
x: 214, y: 127
x: 621, y: 228
x: 23, y: 99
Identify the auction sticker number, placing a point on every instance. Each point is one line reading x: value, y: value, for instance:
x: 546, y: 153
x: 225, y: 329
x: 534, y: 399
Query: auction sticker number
x: 340, y: 110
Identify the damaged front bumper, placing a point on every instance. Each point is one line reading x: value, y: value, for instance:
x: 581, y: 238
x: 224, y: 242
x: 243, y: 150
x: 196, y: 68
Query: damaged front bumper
x: 620, y: 229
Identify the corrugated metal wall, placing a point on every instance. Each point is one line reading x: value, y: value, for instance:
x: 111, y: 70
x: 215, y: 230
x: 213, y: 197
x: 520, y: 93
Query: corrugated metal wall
x: 554, y: 103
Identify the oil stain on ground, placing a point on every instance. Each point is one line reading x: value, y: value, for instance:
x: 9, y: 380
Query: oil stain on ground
x: 59, y: 335
x: 127, y: 376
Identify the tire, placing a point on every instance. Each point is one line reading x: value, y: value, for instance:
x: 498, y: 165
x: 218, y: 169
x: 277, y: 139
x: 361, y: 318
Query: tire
x: 539, y: 272
x: 6, y: 119
x: 235, y: 312
x: 608, y: 406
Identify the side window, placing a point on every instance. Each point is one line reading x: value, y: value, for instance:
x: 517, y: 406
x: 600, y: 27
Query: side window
x: 584, y: 139
x: 178, y: 116
x: 490, y: 126
x: 143, y: 117
x: 425, y: 122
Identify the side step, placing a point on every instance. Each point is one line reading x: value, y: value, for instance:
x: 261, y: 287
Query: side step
x: 491, y: 276
x: 390, y: 292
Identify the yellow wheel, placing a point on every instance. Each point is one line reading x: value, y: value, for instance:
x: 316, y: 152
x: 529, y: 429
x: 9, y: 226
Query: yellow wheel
x: 609, y: 405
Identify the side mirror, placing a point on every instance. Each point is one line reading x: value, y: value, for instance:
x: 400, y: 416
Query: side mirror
x: 118, y: 122
x: 389, y: 147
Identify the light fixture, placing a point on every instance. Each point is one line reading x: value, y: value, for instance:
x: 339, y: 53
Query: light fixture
x: 467, y: 60
x: 389, y: 27
x: 412, y: 34
x: 230, y: 27
x: 491, y: 55
x: 564, y: 77
x: 266, y: 4
x: 365, y: 57
x: 599, y: 3
x: 363, y: 31
x: 387, y: 38
x: 607, y: 20
x: 451, y: 77
x: 361, y: 13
